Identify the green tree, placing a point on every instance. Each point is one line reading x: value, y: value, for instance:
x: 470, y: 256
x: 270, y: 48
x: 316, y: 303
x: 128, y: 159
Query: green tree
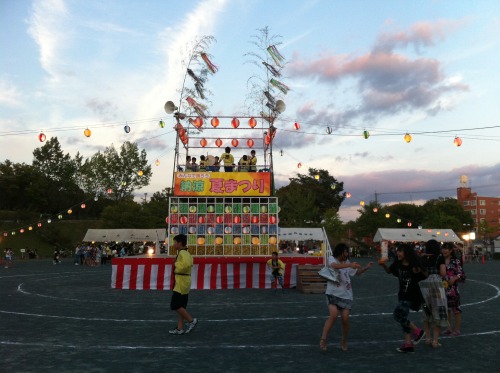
x: 126, y: 214
x: 445, y: 213
x: 308, y: 197
x: 118, y: 171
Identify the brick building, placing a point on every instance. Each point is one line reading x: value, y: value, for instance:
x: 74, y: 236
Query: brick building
x: 482, y: 209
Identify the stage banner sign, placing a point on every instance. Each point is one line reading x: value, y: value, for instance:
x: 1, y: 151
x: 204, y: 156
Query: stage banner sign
x: 229, y: 184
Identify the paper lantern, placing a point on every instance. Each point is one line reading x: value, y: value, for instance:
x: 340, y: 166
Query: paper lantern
x: 387, y: 216
x: 236, y: 220
x: 218, y: 142
x: 267, y: 139
x: 375, y: 209
x: 348, y: 195
x: 83, y: 205
x: 161, y: 124
x: 250, y: 143
x: 263, y: 208
x: 210, y: 230
x: 366, y: 134
x: 228, y: 209
x: 255, y: 219
x: 361, y: 203
x: 198, y: 122
x: 39, y: 225
x: 228, y: 230
x: 49, y: 221
x: 409, y: 224
x: 272, y: 240
x: 42, y: 137
x: 246, y: 230
x: 183, y: 219
x: 296, y: 126
x: 255, y: 240
x: 457, y: 141
x: 235, y: 143
x: 126, y: 129
x: 210, y: 208
x: 219, y: 219
x: 218, y: 240
x: 174, y: 230
x: 252, y: 122
x: 299, y: 165
x: 263, y: 229
x: 140, y: 173
x: 87, y: 132
x: 173, y: 209
x: 272, y: 219
x: 203, y: 143
x: 192, y: 229
x: 201, y: 240
x: 201, y: 220
x: 192, y: 209
x: 237, y: 240
x: 407, y: 137
x: 96, y: 198
x: 246, y: 209
x: 157, y: 162
x: 215, y: 122
x: 167, y: 219
x: 30, y: 228
x: 59, y: 216
x: 329, y: 130
x: 235, y: 123
x: 399, y: 220
x: 21, y: 230
x: 5, y: 234
x: 70, y: 212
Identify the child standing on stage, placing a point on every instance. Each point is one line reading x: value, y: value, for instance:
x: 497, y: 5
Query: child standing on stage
x: 409, y: 271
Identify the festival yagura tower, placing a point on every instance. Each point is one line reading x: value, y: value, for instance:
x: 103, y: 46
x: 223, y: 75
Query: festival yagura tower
x: 233, y: 212
x: 224, y: 213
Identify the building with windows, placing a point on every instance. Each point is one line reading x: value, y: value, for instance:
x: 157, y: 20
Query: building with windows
x: 482, y: 209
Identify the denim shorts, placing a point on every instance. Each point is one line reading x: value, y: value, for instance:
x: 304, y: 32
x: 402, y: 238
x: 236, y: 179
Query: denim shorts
x: 339, y: 302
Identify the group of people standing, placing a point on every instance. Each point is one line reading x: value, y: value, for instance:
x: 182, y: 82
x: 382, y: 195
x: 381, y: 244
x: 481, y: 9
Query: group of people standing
x: 429, y: 281
x: 247, y: 163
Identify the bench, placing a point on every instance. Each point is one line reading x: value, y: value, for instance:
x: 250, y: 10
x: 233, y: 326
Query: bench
x: 308, y: 280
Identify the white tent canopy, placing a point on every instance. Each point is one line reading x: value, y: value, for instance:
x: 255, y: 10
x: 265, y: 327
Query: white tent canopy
x: 301, y: 234
x: 125, y: 235
x: 415, y: 235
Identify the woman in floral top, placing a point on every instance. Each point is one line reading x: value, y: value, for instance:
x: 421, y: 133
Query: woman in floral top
x: 453, y: 273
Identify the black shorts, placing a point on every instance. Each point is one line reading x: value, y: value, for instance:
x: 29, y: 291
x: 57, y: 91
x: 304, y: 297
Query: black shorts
x: 178, y: 301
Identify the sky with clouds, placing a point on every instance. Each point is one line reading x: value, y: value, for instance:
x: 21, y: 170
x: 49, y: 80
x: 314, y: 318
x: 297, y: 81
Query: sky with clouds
x: 428, y: 68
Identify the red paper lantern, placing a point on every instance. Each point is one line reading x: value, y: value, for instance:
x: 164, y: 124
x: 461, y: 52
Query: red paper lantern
x: 267, y: 139
x: 183, y: 219
x: 201, y: 219
x: 218, y: 142
x: 39, y: 225
x: 299, y: 165
x: 215, y: 122
x: 237, y: 220
x: 41, y: 137
x: 296, y: 126
x: 203, y: 142
x: 255, y: 219
x: 457, y: 141
x: 198, y: 122
x: 235, y: 123
x: 219, y: 219
x: 235, y: 143
x: 83, y: 205
x: 110, y: 191
x: 272, y: 219
x: 250, y: 143
x: 252, y: 122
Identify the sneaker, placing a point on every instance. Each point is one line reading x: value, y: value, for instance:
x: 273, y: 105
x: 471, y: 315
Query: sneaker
x: 176, y: 331
x: 191, y: 325
x: 417, y: 335
x: 406, y: 348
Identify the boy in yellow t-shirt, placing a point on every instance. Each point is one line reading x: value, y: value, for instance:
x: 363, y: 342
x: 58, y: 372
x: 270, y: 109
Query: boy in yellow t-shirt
x: 228, y: 160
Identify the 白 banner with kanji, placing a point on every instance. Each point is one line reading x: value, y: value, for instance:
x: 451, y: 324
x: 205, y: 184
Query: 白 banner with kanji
x: 229, y: 184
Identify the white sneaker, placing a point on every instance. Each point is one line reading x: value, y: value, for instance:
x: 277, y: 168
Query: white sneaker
x: 176, y: 331
x: 191, y: 325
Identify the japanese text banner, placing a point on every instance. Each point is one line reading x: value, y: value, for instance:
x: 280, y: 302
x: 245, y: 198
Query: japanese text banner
x: 254, y: 184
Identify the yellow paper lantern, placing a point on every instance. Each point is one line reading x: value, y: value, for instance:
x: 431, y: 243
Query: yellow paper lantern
x: 140, y: 173
x: 237, y: 240
x: 255, y: 240
x: 201, y: 240
x: 218, y: 240
x: 87, y: 132
x: 407, y: 137
x: 272, y: 240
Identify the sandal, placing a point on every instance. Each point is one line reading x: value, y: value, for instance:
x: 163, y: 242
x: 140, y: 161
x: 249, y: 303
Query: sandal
x: 343, y: 345
x: 436, y: 344
x: 322, y: 344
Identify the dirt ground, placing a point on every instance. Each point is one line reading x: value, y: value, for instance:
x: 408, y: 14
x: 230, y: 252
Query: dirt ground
x: 66, y: 318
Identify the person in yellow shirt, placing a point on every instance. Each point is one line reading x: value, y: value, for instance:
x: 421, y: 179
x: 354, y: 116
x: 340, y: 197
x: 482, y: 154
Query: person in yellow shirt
x: 182, y: 271
x: 253, y: 162
x: 228, y: 160
x: 203, y: 163
x: 277, y: 267
x: 243, y: 164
